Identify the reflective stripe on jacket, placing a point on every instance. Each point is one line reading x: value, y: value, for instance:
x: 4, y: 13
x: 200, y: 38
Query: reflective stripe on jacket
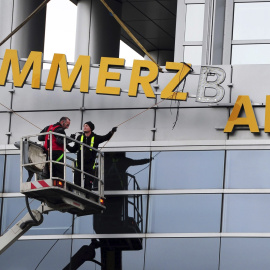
x: 91, y: 144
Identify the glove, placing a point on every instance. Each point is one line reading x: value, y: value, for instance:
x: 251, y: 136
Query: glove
x: 72, y: 136
x: 114, y: 129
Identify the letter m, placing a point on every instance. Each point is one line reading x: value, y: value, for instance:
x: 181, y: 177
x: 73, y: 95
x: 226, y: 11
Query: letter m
x: 11, y: 59
x: 59, y: 62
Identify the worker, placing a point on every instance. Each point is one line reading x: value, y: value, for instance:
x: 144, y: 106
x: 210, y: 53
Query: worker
x: 57, y: 144
x: 89, y: 155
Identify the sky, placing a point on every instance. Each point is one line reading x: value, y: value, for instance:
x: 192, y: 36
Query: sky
x: 61, y: 33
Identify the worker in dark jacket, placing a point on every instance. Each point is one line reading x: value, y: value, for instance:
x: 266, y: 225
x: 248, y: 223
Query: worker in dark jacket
x: 89, y: 155
x: 57, y: 144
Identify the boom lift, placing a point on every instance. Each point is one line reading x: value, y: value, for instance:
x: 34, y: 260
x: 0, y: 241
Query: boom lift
x: 53, y: 192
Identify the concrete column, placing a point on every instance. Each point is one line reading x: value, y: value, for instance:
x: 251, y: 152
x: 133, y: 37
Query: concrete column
x: 98, y: 33
x: 6, y: 8
x: 161, y: 56
x: 180, y: 31
x: 31, y: 36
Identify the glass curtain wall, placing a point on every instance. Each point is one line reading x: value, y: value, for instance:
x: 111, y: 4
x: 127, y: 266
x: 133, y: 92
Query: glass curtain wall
x: 211, y: 204
x: 250, y: 32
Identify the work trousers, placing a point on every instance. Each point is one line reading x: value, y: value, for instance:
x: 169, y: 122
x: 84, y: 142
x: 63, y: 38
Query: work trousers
x: 88, y: 180
x: 57, y: 169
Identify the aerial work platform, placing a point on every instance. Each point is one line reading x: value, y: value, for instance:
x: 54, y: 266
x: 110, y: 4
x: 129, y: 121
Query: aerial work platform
x: 64, y: 196
x: 59, y: 194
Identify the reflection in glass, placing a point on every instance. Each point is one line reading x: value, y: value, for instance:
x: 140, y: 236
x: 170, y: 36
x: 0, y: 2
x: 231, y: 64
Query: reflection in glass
x: 184, y: 213
x: 194, y: 22
x: 250, y: 54
x: 193, y: 55
x: 24, y: 255
x: 187, y: 170
x: 12, y: 178
x: 53, y: 223
x: 78, y: 258
x: 251, y: 21
x: 246, y: 213
x: 245, y: 253
x: 2, y: 163
x: 248, y: 169
x: 126, y: 171
x: 111, y: 256
x: 182, y: 253
x: 123, y: 214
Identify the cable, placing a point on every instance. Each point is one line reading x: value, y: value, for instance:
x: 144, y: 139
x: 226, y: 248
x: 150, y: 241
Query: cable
x: 20, y: 116
x: 30, y: 211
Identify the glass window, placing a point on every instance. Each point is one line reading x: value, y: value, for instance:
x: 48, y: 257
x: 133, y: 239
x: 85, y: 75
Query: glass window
x: 12, y: 176
x: 2, y: 163
x: 53, y: 223
x: 134, y: 259
x: 193, y: 55
x: 84, y: 224
x: 28, y: 255
x: 251, y: 21
x: 248, y: 169
x: 246, y: 213
x: 182, y: 253
x: 250, y: 54
x: 187, y: 170
x: 244, y: 253
x: 128, y: 170
x: 184, y: 213
x: 194, y: 22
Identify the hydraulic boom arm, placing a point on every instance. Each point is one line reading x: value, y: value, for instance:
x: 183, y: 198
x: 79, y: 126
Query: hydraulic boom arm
x: 22, y: 227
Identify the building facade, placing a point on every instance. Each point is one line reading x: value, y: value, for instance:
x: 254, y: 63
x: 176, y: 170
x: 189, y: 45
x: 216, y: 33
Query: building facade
x: 199, y: 196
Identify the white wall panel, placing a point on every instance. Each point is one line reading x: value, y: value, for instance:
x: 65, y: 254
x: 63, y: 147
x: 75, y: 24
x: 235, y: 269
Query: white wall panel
x: 4, y: 120
x: 193, y: 124
x: 95, y: 101
x: 251, y: 80
x: 5, y: 96
x: 27, y: 99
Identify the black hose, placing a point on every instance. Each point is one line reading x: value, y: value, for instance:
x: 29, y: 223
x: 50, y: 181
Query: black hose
x: 30, y: 211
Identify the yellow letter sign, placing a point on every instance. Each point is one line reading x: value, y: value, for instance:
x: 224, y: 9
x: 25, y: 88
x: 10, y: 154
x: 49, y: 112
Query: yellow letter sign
x: 249, y: 120
x: 145, y: 81
x: 11, y: 59
x: 183, y: 70
x: 104, y: 75
x: 59, y: 62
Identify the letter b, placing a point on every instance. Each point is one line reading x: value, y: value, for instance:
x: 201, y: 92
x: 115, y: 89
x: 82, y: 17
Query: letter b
x: 203, y: 84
